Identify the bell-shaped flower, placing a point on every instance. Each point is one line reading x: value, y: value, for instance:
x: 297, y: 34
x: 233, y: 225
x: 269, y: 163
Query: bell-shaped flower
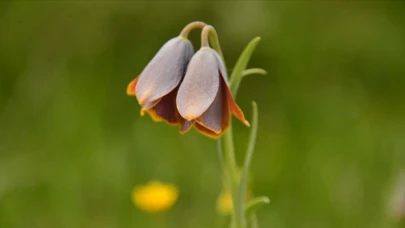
x: 156, y: 87
x: 204, y: 97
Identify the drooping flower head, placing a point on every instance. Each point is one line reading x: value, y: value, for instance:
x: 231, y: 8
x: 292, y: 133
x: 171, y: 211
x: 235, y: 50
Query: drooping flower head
x: 156, y: 87
x: 204, y: 97
x: 186, y: 90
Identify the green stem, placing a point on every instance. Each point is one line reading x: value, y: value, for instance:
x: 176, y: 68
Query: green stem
x: 193, y: 25
x: 230, y: 160
x: 232, y: 174
x: 230, y: 166
x: 209, y: 33
x: 213, y: 36
x: 253, y: 222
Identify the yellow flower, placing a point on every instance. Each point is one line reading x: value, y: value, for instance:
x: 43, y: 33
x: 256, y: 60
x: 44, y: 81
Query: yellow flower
x: 224, y: 203
x: 155, y: 196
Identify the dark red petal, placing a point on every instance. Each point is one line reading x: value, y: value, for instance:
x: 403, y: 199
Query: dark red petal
x: 225, y: 112
x: 225, y: 122
x: 212, y: 118
x: 166, y: 110
x: 148, y: 106
x: 185, y: 126
x: 207, y: 132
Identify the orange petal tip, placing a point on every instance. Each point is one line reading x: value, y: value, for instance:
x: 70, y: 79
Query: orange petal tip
x: 188, y: 117
x: 207, y: 132
x: 131, y: 87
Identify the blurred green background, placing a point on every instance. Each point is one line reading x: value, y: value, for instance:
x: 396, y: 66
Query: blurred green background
x: 331, y: 141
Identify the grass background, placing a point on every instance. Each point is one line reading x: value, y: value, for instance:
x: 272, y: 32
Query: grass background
x: 330, y: 149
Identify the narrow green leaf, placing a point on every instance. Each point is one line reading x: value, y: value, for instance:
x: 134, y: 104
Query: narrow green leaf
x: 246, y: 166
x: 255, y: 204
x: 230, y: 168
x: 253, y: 71
x: 241, y: 65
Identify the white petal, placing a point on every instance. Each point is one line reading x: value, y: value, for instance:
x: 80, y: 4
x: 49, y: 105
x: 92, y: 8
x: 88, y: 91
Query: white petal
x: 165, y: 71
x: 200, y: 85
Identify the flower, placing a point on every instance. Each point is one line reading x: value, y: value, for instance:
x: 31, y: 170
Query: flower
x: 156, y: 87
x: 155, y: 196
x: 204, y: 97
x: 224, y: 203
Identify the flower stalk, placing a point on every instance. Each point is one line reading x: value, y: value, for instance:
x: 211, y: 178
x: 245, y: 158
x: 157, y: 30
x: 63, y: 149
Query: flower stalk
x: 193, y: 25
x: 210, y: 34
x: 188, y: 89
x: 227, y: 145
x: 231, y: 168
x: 238, y: 183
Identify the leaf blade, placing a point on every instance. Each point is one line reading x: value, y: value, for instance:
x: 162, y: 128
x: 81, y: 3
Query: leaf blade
x: 253, y: 71
x: 248, y: 159
x: 255, y: 204
x: 241, y: 65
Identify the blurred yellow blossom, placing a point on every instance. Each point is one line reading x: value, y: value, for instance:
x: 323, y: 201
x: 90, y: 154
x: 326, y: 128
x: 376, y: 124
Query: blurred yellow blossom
x: 155, y: 196
x: 224, y: 203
